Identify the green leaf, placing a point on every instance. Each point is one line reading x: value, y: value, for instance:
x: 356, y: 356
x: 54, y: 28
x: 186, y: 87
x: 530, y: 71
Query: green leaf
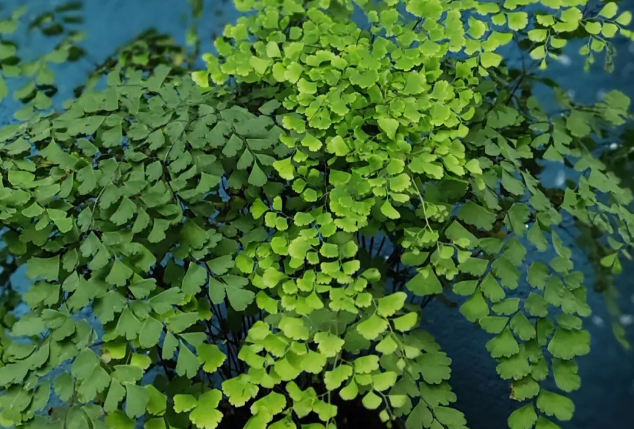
x: 124, y: 212
x: 157, y: 405
x: 609, y: 10
x: 272, y: 404
x: 239, y: 298
x: 47, y: 268
x: 164, y: 301
x: 313, y: 362
x: 522, y: 327
x: 387, y: 346
x: 371, y: 401
x: 389, y: 211
x: 336, y: 377
x: 211, y: 357
x: 258, y: 208
x: 116, y: 393
x: 490, y: 59
x: 536, y: 237
x: 390, y: 304
x: 536, y: 305
x: 465, y: 288
x: 593, y: 27
x: 119, y: 273
x: 206, y: 415
x: 476, y: 215
x: 187, y: 364
x: 518, y: 216
x: 474, y: 266
x: 526, y: 388
x: 349, y: 392
x: 406, y: 323
x: 366, y: 364
x: 372, y: 327
x: 150, y: 333
x: 492, y: 289
x: 128, y: 325
x: 239, y: 390
x: 181, y: 321
x: 625, y: 18
x: 553, y: 404
x: 538, y: 275
x: 389, y: 126
x: 514, y: 367
x: 272, y: 50
x: 285, y: 168
x: 384, y: 380
x: 114, y: 420
x: 97, y: 382
x: 195, y: 277
x: 328, y: 344
x: 523, y: 418
x: 503, y: 344
x: 64, y: 386
x: 461, y: 236
x: 425, y: 283
x: 475, y: 307
x: 506, y: 271
x: 184, y: 403
x: 269, y: 107
x: 201, y: 78
x: 136, y: 401
x: 517, y: 20
x: 170, y: 344
x: 577, y: 123
x: 567, y: 344
x: 260, y: 65
x: 415, y: 83
x: 493, y: 324
x: 257, y: 176
x: 566, y: 375
x: 294, y: 328
x: 539, y: 35
x: 220, y: 265
x: 434, y: 367
x: 420, y: 415
x: 507, y: 306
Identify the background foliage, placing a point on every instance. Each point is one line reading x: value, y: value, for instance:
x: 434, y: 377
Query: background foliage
x: 219, y: 235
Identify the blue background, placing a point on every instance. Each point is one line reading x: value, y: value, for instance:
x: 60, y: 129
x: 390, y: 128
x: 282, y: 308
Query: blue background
x: 606, y: 399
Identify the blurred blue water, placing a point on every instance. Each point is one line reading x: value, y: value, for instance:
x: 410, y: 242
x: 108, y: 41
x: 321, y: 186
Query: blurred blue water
x: 607, y: 394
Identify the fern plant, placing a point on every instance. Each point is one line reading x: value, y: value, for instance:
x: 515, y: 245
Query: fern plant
x: 253, y: 244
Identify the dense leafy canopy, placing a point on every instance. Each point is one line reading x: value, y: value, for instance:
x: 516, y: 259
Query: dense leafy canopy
x: 239, y: 245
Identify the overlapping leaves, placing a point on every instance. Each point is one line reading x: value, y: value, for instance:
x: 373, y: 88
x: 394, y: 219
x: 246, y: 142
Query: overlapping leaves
x: 265, y: 234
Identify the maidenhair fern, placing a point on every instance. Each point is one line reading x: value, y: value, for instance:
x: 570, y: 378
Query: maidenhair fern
x: 244, y: 247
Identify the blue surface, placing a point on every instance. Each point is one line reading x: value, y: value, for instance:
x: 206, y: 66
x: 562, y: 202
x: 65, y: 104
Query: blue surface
x: 607, y: 394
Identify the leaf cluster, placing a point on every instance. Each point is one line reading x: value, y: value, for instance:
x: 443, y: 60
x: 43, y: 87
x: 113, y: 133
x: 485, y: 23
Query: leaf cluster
x: 237, y: 245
